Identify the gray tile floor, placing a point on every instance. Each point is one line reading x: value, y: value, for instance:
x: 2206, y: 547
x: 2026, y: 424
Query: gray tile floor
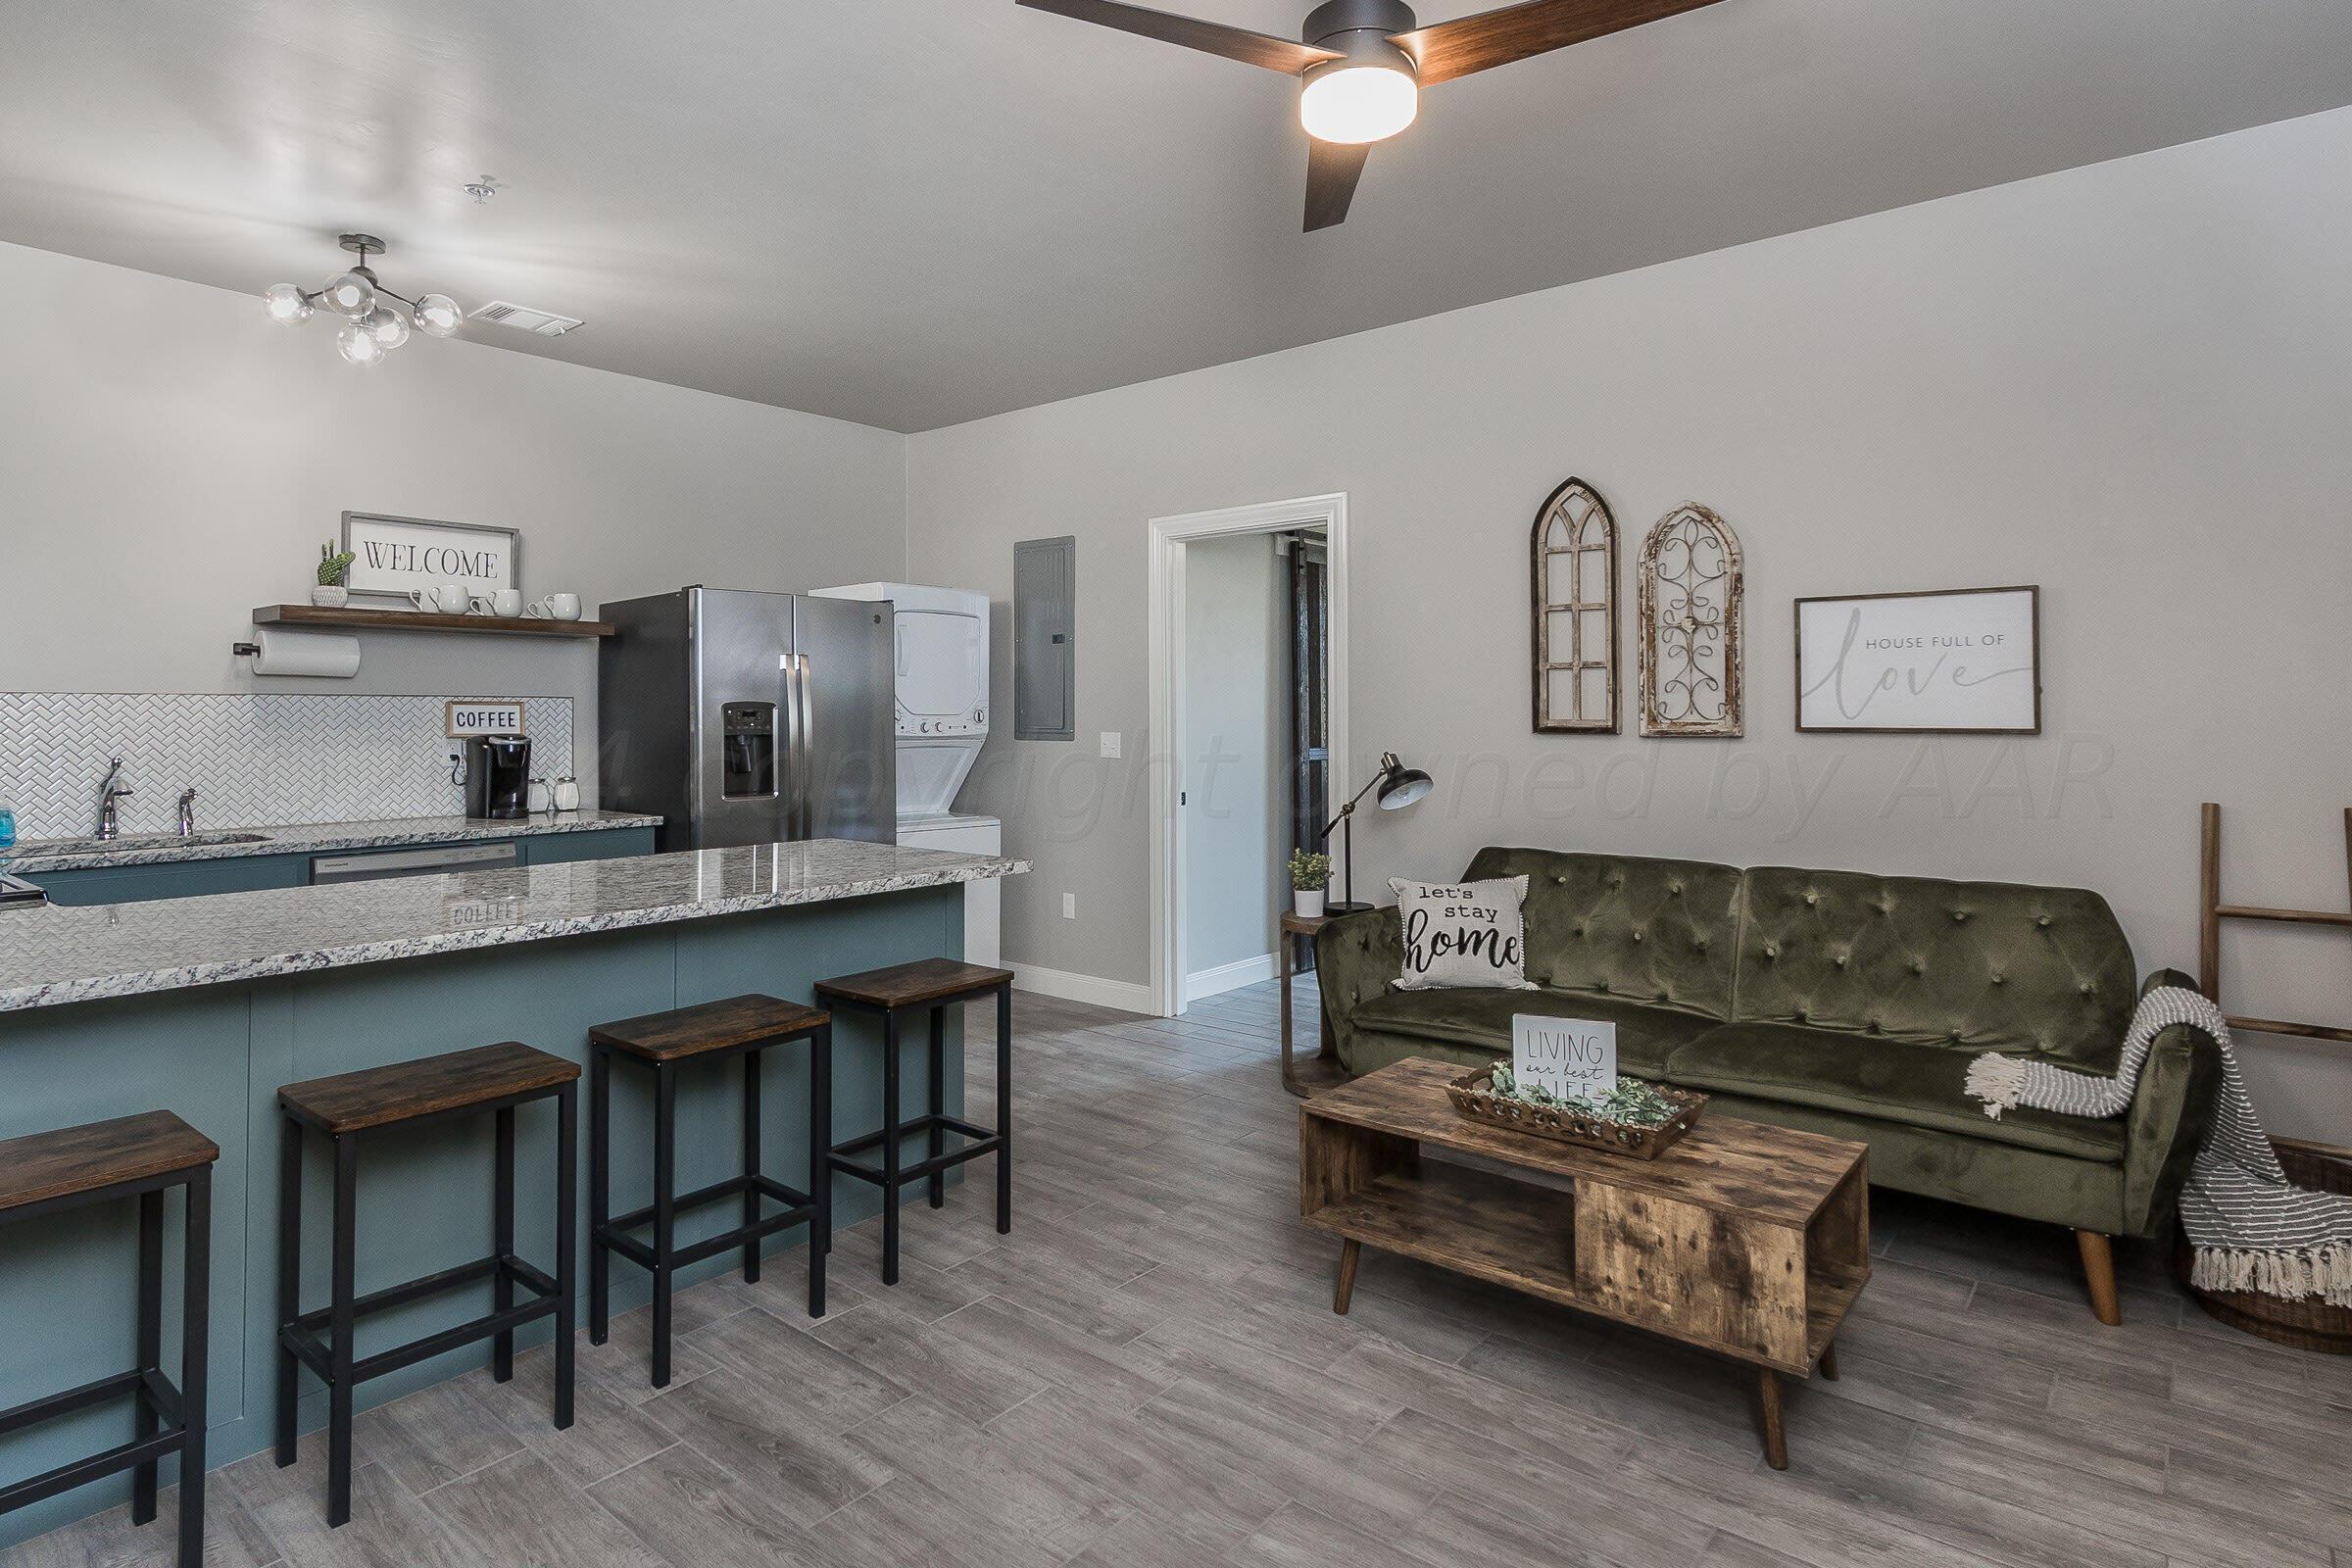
x: 1147, y: 1372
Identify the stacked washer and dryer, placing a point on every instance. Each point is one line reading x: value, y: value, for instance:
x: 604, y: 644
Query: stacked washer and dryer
x: 942, y: 710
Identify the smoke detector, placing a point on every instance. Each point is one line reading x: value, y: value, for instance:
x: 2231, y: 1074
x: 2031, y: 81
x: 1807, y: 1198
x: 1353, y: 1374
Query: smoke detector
x: 524, y: 318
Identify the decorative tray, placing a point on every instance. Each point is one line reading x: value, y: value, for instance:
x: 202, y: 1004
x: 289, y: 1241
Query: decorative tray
x: 1473, y: 1095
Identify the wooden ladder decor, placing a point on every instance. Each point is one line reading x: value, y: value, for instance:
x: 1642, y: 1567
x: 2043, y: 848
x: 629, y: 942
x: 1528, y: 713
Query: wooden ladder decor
x: 2212, y: 911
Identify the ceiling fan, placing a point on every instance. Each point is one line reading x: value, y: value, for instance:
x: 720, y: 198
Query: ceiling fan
x: 1362, y: 64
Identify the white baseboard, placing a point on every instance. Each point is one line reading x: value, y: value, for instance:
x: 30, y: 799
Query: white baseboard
x: 1125, y: 995
x: 1203, y: 984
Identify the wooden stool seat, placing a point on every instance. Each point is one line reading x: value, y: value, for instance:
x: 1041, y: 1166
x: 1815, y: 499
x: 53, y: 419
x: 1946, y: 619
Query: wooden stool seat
x: 104, y: 1154
x: 927, y: 986
x: 138, y: 1158
x: 709, y: 1026
x: 379, y: 1103
x: 378, y: 1096
x: 914, y: 985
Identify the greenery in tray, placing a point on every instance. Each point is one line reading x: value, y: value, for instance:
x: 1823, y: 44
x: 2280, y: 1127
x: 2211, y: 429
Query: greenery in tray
x: 1634, y: 1104
x: 333, y: 566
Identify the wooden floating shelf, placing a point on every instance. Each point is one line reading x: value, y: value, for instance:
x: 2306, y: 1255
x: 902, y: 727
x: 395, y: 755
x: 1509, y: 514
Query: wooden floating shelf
x: 354, y: 618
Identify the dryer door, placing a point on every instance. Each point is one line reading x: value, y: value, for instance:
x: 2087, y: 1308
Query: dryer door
x: 943, y: 672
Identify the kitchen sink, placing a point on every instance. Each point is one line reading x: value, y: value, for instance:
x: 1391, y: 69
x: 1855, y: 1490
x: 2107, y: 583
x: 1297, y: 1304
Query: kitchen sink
x: 54, y: 849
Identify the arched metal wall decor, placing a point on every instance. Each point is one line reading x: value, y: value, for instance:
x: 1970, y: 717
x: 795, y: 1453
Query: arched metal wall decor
x: 1691, y: 594
x: 1575, y: 613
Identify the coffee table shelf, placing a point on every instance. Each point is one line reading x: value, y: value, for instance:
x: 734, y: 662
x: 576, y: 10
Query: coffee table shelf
x: 1748, y: 1240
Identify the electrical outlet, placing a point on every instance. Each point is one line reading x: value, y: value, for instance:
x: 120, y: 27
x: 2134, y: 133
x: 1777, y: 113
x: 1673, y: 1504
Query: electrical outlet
x: 1069, y: 905
x: 1110, y: 743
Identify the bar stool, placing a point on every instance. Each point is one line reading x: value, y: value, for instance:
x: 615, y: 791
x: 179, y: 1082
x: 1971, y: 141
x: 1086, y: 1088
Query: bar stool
x: 935, y: 985
x: 739, y: 1026
x: 372, y: 1103
x: 134, y: 1156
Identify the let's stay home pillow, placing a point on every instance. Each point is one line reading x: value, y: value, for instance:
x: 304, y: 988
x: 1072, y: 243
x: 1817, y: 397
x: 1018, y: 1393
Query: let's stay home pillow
x: 1463, y: 934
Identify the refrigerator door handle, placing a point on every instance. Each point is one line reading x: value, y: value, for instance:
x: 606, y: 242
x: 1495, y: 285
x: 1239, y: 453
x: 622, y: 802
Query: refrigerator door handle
x: 806, y: 827
x: 790, y: 745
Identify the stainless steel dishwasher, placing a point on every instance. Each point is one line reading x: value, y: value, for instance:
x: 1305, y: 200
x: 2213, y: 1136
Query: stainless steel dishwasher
x: 374, y: 866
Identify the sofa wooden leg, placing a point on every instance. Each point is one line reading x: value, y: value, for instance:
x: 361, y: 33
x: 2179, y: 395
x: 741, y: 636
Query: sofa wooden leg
x: 2098, y: 1273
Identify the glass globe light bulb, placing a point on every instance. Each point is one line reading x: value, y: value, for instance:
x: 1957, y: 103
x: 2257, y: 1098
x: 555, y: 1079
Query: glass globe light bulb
x: 389, y: 327
x: 286, y: 302
x: 438, y: 316
x: 350, y: 295
x: 355, y: 343
x: 1356, y: 104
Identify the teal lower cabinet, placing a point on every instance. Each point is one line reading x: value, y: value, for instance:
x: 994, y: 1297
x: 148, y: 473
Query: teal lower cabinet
x: 243, y: 873
x: 182, y: 879
x: 215, y: 1055
x: 599, y: 844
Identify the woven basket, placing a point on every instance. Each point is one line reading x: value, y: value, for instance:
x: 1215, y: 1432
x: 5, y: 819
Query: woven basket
x: 1474, y: 1096
x: 2308, y: 1325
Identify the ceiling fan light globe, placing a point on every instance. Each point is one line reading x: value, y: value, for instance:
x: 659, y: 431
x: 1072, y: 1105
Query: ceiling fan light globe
x: 286, y: 303
x: 349, y: 294
x: 360, y: 346
x: 1351, y: 103
x: 438, y: 316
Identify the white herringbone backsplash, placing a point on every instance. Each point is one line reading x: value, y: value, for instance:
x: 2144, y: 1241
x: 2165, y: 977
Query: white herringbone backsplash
x: 255, y: 760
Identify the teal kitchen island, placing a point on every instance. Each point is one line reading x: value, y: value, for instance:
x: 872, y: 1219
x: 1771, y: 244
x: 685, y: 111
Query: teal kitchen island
x: 205, y: 1006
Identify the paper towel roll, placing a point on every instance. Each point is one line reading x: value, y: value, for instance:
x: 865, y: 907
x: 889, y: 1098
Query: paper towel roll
x: 277, y: 652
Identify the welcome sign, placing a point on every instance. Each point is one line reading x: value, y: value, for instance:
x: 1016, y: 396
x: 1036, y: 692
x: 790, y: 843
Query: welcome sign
x: 1569, y: 1058
x: 393, y: 555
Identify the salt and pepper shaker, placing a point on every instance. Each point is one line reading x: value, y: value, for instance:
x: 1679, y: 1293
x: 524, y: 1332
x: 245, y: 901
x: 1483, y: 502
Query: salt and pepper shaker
x: 539, y: 799
x: 567, y: 794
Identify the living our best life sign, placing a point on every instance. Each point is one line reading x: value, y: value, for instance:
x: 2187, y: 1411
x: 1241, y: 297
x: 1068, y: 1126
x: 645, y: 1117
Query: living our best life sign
x: 1569, y: 1058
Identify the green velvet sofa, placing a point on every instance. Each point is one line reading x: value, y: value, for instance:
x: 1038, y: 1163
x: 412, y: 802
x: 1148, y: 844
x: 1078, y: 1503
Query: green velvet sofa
x: 1837, y: 1002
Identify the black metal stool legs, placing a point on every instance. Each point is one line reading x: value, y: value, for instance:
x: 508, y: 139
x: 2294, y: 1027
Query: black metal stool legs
x: 146, y: 1422
x: 1005, y: 1111
x: 821, y: 1164
x: 750, y: 1161
x: 568, y: 1246
x: 289, y: 1278
x: 600, y: 1192
x: 195, y: 1319
x: 939, y: 1105
x: 665, y: 1213
x: 890, y: 1147
x: 502, y: 1289
x: 342, y: 1316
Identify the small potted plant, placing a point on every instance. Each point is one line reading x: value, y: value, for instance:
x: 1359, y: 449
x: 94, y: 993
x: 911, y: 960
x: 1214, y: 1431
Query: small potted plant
x: 334, y: 570
x: 1310, y: 874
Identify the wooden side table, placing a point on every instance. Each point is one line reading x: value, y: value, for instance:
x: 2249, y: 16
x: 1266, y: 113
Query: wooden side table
x: 1321, y: 1070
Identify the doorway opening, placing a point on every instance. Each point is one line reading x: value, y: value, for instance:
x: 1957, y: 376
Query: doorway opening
x: 1248, y: 651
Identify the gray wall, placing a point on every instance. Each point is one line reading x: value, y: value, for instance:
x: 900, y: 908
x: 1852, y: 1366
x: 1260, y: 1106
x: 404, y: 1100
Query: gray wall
x: 2126, y: 384
x: 170, y: 458
x: 1237, y: 724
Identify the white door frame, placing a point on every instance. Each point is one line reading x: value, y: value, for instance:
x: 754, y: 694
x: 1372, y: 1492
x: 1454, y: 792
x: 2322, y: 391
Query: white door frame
x: 1166, y: 759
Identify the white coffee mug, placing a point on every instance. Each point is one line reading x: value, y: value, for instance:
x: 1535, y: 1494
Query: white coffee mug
x: 557, y: 606
x: 506, y: 603
x: 442, y: 599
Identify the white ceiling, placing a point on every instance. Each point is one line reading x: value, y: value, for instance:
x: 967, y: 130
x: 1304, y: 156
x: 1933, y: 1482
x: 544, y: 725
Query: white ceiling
x: 911, y: 212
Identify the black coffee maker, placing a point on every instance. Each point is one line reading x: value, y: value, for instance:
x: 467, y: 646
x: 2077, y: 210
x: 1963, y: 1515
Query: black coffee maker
x: 498, y: 778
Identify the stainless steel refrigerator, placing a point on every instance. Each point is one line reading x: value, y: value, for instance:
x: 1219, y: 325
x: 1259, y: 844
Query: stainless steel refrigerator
x: 750, y: 718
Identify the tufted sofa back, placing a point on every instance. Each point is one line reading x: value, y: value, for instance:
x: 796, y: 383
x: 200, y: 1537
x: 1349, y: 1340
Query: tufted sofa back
x: 1975, y: 965
x: 1622, y: 927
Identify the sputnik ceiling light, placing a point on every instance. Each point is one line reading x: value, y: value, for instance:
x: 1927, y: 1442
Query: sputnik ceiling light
x: 375, y: 321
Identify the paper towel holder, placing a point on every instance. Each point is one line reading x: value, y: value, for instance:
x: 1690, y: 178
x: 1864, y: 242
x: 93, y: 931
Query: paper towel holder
x: 245, y: 650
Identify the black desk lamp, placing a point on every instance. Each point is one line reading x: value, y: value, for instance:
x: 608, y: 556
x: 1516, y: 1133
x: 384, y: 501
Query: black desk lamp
x: 1400, y: 787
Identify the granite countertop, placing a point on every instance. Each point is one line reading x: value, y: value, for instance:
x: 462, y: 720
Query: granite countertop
x: 28, y: 858
x: 51, y: 955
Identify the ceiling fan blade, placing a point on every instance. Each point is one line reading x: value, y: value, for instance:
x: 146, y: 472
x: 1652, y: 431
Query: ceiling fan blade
x: 1214, y: 37
x: 1332, y: 170
x: 1445, y: 50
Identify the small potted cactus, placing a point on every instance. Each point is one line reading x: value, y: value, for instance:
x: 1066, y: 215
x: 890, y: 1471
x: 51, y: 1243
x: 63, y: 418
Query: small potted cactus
x: 1310, y: 874
x: 334, y: 571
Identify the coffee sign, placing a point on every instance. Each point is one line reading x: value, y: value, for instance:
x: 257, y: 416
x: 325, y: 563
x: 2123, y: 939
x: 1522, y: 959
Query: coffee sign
x: 1569, y: 1058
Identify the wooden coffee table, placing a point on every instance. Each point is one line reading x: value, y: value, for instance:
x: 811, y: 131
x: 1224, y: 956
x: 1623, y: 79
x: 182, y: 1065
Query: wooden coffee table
x: 1746, y: 1240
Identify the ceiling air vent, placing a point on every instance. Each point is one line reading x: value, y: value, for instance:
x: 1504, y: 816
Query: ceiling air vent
x: 545, y: 324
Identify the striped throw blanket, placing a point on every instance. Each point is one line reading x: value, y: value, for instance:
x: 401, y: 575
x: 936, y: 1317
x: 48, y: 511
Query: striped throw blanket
x: 2251, y: 1228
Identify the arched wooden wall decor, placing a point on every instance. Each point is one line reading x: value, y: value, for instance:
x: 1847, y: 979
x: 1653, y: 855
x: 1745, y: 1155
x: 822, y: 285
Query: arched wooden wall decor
x: 1691, y: 594
x: 1575, y: 621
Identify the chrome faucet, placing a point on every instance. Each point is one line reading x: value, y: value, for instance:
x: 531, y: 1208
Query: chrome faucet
x: 187, y: 811
x: 110, y: 790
